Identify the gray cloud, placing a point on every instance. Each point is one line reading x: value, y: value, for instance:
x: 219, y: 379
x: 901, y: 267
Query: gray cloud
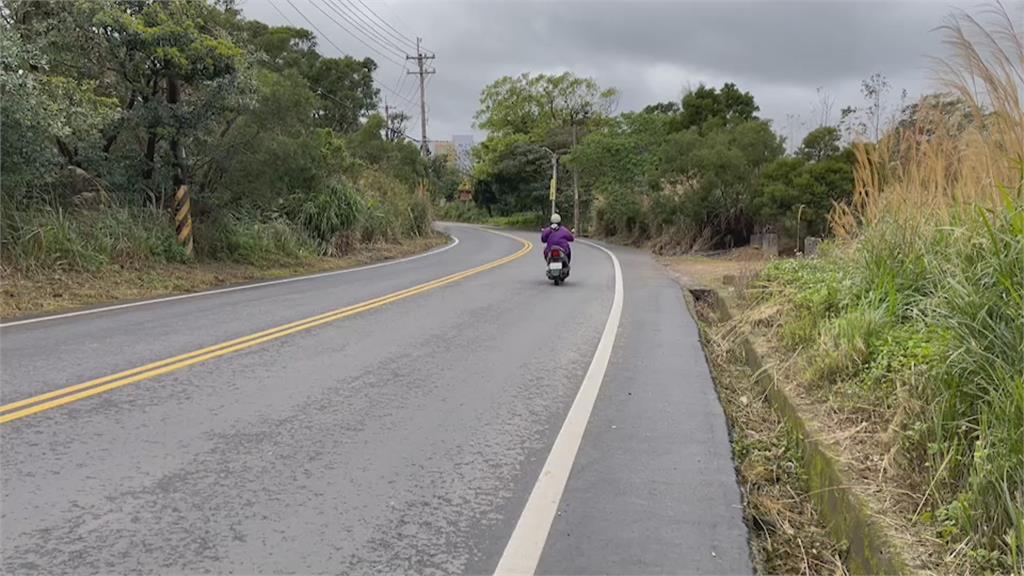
x: 780, y: 51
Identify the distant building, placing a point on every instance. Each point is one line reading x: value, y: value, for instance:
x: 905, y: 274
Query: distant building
x: 459, y: 151
x: 463, y: 151
x: 443, y: 147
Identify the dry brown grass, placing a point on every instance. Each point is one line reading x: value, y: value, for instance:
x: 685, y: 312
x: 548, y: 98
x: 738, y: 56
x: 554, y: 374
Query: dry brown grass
x: 787, y: 535
x: 731, y: 271
x: 925, y: 173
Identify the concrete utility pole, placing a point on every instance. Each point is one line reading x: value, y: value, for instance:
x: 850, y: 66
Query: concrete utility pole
x: 422, y: 71
x: 575, y: 188
x: 554, y: 176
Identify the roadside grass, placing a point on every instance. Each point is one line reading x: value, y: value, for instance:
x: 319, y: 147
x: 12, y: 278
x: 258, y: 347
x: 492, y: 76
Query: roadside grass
x: 467, y: 212
x: 55, y: 253
x: 520, y: 221
x: 470, y: 213
x: 55, y: 290
x: 787, y: 534
x: 56, y: 238
x: 911, y: 325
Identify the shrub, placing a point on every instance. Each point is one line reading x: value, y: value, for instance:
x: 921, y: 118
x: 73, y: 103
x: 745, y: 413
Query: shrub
x: 249, y: 239
x: 334, y: 209
x: 461, y: 212
x: 53, y: 237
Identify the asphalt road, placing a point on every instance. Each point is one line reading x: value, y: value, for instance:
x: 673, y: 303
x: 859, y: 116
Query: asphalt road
x: 404, y: 438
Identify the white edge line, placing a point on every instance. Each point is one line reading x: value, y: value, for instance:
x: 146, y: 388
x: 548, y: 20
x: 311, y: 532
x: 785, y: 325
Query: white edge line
x: 522, y: 553
x: 450, y: 245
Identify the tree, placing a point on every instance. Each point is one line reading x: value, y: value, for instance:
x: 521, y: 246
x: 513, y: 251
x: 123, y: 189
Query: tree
x: 665, y: 108
x: 718, y: 107
x: 824, y: 106
x: 820, y: 143
x: 281, y: 47
x: 120, y: 89
x: 518, y: 181
x: 164, y: 62
x: 394, y: 129
x: 556, y: 111
x: 345, y: 89
x: 820, y: 175
x: 718, y: 173
x: 40, y: 113
x: 870, y: 121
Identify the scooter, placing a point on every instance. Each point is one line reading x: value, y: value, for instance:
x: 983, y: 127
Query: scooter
x: 558, y: 265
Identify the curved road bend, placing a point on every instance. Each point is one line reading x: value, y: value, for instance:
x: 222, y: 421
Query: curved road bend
x: 406, y: 437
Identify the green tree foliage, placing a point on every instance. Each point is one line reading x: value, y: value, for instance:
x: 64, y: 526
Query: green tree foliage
x: 552, y: 111
x: 346, y: 91
x: 680, y: 170
x: 722, y: 107
x: 820, y: 143
x: 518, y: 181
x: 703, y: 169
x: 717, y: 172
x: 816, y: 178
x: 132, y: 97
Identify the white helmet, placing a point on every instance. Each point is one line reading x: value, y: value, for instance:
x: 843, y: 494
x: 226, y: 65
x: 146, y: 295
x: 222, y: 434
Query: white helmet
x: 556, y: 219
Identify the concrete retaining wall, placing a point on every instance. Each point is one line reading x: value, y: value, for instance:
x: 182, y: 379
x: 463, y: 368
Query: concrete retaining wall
x: 869, y: 548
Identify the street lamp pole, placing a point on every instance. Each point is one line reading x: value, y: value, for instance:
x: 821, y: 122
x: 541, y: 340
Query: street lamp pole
x: 554, y: 175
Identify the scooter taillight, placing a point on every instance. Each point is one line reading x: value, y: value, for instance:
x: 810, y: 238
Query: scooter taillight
x: 556, y: 253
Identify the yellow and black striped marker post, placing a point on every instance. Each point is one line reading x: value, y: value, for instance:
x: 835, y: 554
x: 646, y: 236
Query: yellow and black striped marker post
x: 183, y: 218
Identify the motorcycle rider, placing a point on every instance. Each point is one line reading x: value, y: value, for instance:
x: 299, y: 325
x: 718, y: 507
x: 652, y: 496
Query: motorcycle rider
x: 556, y: 235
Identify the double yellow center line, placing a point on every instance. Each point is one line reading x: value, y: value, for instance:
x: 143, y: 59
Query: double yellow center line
x: 56, y: 398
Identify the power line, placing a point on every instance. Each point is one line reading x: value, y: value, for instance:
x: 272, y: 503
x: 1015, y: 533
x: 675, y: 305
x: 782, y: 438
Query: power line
x: 398, y: 16
x: 379, y: 32
x: 361, y: 29
x: 400, y: 81
x: 388, y: 28
x: 283, y: 15
x: 338, y: 48
x: 371, y: 33
x: 315, y: 27
x: 343, y: 27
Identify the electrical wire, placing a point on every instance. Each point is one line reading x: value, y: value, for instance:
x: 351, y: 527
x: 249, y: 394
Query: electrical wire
x: 372, y: 26
x: 387, y: 27
x: 343, y: 27
x: 369, y: 35
x: 283, y: 15
x: 338, y: 48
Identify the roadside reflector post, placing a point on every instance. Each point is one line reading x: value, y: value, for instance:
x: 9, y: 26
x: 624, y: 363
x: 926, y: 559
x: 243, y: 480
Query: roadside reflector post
x: 183, y: 218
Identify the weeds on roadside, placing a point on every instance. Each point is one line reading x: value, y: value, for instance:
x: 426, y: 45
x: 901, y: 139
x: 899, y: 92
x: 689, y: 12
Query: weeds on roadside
x: 916, y: 314
x: 787, y: 537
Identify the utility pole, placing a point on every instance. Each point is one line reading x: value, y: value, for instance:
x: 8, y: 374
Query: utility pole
x: 422, y: 71
x: 575, y: 188
x: 554, y: 176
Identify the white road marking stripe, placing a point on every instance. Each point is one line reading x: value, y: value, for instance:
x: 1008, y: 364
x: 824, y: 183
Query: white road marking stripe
x: 448, y: 246
x: 522, y: 553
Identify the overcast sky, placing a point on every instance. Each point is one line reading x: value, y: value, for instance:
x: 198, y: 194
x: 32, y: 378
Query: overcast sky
x: 651, y: 51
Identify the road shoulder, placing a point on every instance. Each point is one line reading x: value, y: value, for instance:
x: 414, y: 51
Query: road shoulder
x: 653, y: 488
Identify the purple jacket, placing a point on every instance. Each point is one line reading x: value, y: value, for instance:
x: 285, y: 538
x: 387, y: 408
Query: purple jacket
x: 560, y: 237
